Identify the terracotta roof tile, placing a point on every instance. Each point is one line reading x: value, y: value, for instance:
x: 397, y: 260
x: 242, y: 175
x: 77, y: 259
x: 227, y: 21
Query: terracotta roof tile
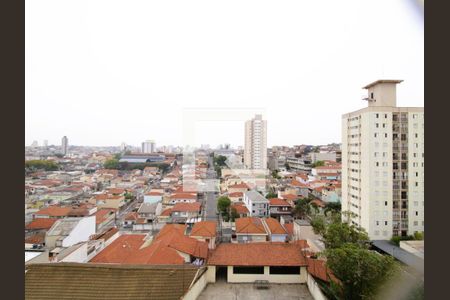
x: 278, y: 202
x: 204, y: 228
x: 40, y: 223
x: 187, y: 207
x: 54, y: 211
x: 257, y: 254
x: 274, y: 226
x: 250, y: 225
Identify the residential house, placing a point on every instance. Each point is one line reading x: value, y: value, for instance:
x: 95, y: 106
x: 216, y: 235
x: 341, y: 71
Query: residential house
x: 257, y: 205
x: 130, y: 219
x: 104, y: 217
x: 183, y: 212
x: 182, y: 198
x: 277, y: 233
x: 279, y: 207
x: 53, y: 211
x: 153, y: 196
x: 250, y: 230
x: 236, y: 196
x: 69, y: 231
x: 108, y: 201
x: 246, y: 263
x: 238, y: 188
x: 241, y: 209
x: 205, y: 231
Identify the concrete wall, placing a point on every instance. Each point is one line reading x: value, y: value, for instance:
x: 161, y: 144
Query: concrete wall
x: 241, y: 278
x: 197, y: 288
x: 211, y: 274
x: 251, y: 238
x: 314, y: 289
x: 79, y: 255
x: 81, y: 232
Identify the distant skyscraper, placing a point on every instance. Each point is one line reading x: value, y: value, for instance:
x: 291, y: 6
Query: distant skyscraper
x: 45, y: 143
x: 123, y: 146
x: 255, y: 151
x: 64, y: 145
x: 149, y: 146
x: 383, y: 164
x: 35, y: 144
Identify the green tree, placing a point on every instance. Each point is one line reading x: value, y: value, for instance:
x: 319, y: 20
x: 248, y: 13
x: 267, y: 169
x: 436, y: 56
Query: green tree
x: 118, y: 156
x: 271, y: 195
x: 40, y: 164
x: 337, y: 234
x: 233, y: 214
x: 223, y: 205
x: 319, y: 225
x: 332, y: 207
x: 318, y: 163
x: 220, y: 160
x: 302, y: 208
x: 111, y: 164
x: 361, y: 272
x: 275, y: 174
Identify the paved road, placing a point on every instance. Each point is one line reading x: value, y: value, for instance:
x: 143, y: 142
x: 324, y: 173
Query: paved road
x: 210, y: 202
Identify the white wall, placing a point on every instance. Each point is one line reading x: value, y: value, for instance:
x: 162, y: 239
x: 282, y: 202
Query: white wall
x: 314, y: 289
x: 82, y: 231
x: 239, y: 278
x: 197, y: 288
x: 79, y: 255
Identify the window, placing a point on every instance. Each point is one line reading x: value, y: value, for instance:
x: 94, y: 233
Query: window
x: 284, y: 270
x: 376, y: 125
x: 385, y: 116
x: 384, y: 125
x: 385, y: 222
x: 385, y: 135
x: 248, y: 270
x: 385, y: 203
x: 416, y: 223
x: 377, y: 164
x: 417, y: 213
x: 375, y: 134
x: 377, y: 223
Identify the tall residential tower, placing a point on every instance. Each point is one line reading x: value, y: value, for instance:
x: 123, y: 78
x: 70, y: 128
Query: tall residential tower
x: 383, y: 164
x: 255, y: 151
x: 64, y: 145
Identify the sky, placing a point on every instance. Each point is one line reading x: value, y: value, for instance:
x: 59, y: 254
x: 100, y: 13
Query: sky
x: 107, y: 72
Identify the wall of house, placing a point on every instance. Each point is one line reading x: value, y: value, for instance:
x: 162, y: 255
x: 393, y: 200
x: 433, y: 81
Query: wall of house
x: 240, y: 278
x: 81, y: 232
x: 211, y: 274
x: 152, y: 199
x: 186, y: 257
x: 251, y: 238
x: 314, y: 288
x: 278, y: 237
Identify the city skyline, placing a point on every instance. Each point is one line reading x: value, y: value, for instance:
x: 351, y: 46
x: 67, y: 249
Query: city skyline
x: 303, y: 71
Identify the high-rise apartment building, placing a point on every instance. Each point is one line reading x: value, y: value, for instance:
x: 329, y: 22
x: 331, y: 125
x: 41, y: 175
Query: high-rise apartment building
x: 383, y: 164
x: 64, y: 145
x: 148, y: 146
x: 255, y: 150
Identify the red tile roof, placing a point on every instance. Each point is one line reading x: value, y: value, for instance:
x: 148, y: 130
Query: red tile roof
x: 166, y: 212
x: 318, y: 202
x: 40, y: 223
x: 54, y: 211
x: 278, y: 202
x: 204, y: 228
x: 187, y: 207
x: 102, y: 214
x: 298, y: 184
x: 290, y: 197
x: 238, y: 186
x: 240, y: 208
x: 37, y: 238
x: 318, y: 269
x: 153, y: 194
x: 132, y: 216
x: 250, y: 225
x: 289, y: 228
x: 274, y: 226
x: 236, y: 194
x: 257, y: 254
x: 183, y: 196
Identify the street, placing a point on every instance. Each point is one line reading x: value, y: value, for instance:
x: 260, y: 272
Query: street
x: 210, y: 201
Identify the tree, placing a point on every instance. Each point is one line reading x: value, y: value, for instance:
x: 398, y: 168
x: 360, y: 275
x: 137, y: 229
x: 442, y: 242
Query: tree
x: 318, y: 224
x: 332, y: 207
x: 223, y: 205
x: 233, y: 214
x: 111, y: 164
x: 318, y: 163
x: 271, y: 195
x: 275, y: 174
x: 337, y: 234
x: 360, y: 271
x: 220, y: 160
x: 118, y: 156
x: 302, y: 208
x: 47, y: 165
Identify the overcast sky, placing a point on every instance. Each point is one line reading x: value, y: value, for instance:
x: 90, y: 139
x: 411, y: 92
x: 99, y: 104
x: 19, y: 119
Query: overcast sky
x: 106, y: 72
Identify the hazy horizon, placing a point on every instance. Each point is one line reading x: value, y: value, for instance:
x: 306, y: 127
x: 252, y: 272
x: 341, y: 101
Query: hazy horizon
x: 106, y: 72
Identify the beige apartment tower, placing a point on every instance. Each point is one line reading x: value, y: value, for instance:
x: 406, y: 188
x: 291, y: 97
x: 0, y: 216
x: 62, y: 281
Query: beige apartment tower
x: 255, y: 151
x: 383, y: 164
